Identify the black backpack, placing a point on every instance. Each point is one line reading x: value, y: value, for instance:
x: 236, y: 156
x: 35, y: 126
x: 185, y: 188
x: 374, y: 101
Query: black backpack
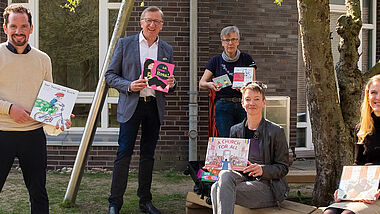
x: 202, y: 188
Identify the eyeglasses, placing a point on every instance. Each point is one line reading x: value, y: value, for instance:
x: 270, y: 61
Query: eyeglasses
x: 233, y: 40
x: 155, y: 21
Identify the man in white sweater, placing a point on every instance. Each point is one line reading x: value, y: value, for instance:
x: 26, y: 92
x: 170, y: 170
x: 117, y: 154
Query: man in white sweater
x: 22, y: 70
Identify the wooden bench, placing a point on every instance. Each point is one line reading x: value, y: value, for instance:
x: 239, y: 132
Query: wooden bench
x: 195, y: 205
x: 306, y: 176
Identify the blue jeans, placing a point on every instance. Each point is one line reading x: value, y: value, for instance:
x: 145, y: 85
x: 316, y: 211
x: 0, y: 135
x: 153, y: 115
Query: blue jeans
x: 227, y: 114
x: 146, y: 115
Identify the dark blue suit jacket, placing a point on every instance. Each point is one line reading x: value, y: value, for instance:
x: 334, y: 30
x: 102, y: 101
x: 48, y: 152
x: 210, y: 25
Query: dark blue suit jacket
x: 125, y: 67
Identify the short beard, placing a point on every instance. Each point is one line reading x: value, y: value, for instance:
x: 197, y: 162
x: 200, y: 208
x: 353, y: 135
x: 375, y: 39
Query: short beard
x: 22, y: 43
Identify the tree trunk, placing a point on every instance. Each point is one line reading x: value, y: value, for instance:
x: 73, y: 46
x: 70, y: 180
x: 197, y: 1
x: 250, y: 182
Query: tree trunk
x: 349, y: 76
x: 326, y: 119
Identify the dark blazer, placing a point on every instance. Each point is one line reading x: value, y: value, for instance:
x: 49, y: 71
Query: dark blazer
x: 275, y: 152
x: 125, y: 67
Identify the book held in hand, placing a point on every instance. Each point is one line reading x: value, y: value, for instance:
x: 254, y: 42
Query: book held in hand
x: 242, y: 76
x: 222, y: 81
x: 54, y: 104
x: 227, y: 153
x: 359, y: 182
x: 157, y: 73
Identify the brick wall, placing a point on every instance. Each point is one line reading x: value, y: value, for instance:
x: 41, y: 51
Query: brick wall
x: 268, y: 33
x: 3, y: 5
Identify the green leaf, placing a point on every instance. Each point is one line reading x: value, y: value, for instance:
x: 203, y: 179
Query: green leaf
x: 278, y: 2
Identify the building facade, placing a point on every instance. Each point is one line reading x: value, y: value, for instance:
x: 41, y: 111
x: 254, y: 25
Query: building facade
x: 77, y: 45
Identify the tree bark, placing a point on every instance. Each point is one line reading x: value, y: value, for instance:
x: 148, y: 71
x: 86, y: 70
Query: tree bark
x: 329, y: 130
x: 350, y: 78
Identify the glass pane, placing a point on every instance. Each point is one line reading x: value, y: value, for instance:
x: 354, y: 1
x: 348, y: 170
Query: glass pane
x: 111, y: 23
x: 71, y: 40
x: 369, y: 49
x: 20, y: 1
x: 81, y: 112
x: 341, y: 2
x: 301, y: 117
x: 367, y: 12
x: 301, y: 137
x: 112, y: 111
x: 277, y: 115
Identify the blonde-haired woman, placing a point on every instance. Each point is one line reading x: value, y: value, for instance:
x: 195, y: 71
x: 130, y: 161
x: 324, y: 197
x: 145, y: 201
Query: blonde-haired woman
x: 367, y: 149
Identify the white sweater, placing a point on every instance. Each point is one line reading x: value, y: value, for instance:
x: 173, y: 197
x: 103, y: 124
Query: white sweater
x: 21, y: 76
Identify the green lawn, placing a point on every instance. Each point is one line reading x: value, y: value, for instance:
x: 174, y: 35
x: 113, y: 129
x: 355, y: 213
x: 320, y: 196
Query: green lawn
x: 169, y: 191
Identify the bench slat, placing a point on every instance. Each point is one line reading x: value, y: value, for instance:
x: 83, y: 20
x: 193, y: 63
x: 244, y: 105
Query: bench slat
x: 287, y: 207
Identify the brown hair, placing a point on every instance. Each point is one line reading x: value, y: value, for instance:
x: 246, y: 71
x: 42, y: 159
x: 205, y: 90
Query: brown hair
x: 255, y: 86
x: 16, y: 8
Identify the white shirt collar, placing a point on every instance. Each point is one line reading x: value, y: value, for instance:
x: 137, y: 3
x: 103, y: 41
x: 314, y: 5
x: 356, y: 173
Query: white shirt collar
x: 142, y: 38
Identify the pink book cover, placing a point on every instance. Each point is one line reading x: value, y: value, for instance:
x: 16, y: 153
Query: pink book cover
x: 157, y: 73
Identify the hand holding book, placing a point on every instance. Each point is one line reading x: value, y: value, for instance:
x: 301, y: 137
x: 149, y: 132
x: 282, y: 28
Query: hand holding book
x: 253, y: 169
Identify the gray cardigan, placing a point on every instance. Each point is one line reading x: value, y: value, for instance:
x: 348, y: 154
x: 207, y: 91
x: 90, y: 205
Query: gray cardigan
x: 275, y: 153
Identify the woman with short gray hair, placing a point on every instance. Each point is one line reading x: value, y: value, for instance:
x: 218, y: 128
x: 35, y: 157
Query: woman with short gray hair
x: 228, y: 109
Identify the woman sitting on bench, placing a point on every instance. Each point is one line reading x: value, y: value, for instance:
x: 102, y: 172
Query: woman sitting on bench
x: 262, y: 183
x: 367, y: 150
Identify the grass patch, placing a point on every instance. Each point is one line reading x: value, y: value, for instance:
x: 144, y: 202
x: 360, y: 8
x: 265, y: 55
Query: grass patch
x: 301, y: 193
x: 169, y: 190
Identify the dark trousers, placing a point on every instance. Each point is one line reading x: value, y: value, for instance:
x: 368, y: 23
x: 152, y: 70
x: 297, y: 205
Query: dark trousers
x: 30, y: 148
x: 227, y: 114
x: 146, y: 115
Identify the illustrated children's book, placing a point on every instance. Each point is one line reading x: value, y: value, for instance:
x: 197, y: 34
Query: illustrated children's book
x: 242, y: 76
x: 206, y: 176
x: 227, y: 153
x: 222, y: 81
x: 359, y: 182
x: 157, y: 73
x: 54, y: 104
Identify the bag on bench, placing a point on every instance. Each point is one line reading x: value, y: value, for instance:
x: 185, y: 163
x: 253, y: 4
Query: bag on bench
x: 202, y: 188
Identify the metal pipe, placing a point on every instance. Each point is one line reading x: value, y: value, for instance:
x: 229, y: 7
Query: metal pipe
x: 97, y: 104
x: 193, y: 103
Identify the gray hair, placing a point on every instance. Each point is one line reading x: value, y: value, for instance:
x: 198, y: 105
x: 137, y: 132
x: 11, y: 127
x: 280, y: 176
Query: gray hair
x: 151, y: 9
x: 229, y: 29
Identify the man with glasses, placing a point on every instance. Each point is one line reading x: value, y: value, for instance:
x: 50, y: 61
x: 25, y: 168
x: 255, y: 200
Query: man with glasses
x: 228, y: 109
x: 138, y: 105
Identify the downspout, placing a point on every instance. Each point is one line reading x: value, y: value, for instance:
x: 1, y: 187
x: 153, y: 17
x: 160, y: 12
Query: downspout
x: 193, y: 103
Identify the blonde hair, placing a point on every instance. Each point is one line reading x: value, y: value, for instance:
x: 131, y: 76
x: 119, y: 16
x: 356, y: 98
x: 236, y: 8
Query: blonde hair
x: 254, y: 86
x: 366, y: 121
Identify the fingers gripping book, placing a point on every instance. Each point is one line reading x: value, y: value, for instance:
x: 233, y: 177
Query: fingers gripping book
x: 157, y: 73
